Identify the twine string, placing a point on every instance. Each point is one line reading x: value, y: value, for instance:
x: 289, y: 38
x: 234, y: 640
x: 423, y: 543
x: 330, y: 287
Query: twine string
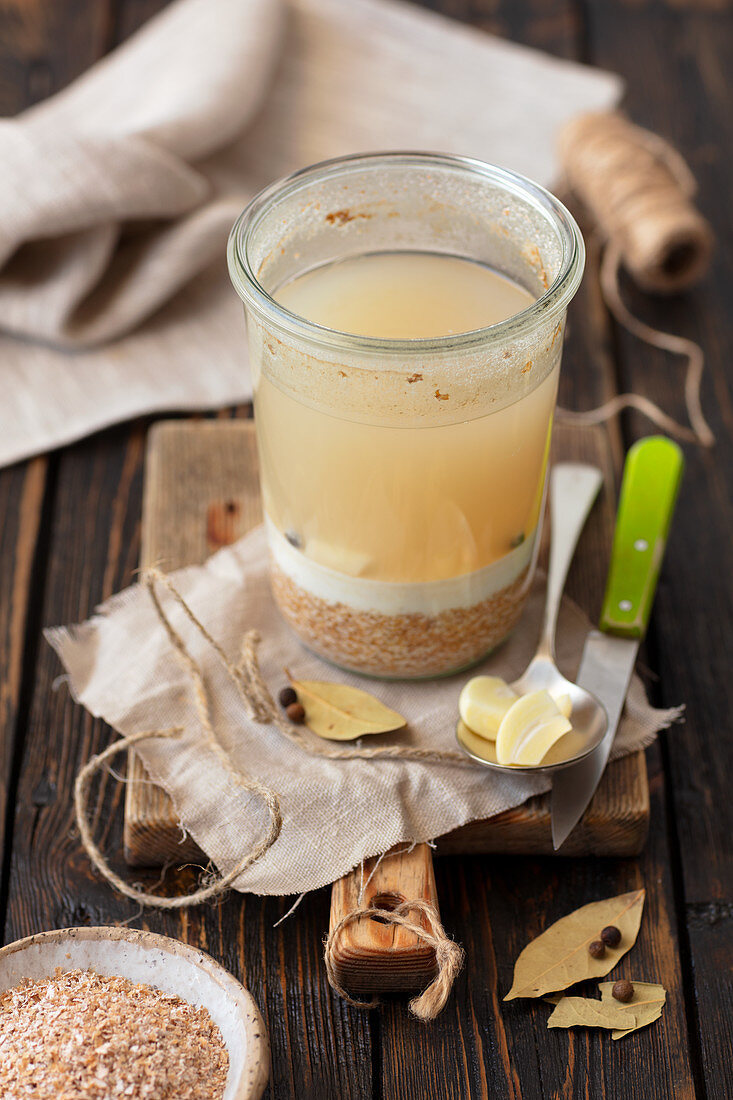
x: 639, y: 190
x: 247, y: 678
x: 213, y: 889
x: 364, y: 883
x: 248, y: 671
x: 210, y: 740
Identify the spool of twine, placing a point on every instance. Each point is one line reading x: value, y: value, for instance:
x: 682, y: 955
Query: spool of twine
x: 639, y: 191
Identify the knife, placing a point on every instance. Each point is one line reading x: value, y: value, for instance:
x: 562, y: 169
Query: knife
x: 651, y: 480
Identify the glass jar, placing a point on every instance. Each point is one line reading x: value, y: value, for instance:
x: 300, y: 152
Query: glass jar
x: 403, y: 479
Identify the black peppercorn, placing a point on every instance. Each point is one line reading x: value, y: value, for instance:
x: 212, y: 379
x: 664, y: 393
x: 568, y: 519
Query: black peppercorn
x: 296, y: 713
x: 597, y: 949
x: 287, y: 696
x: 611, y: 935
x: 623, y: 991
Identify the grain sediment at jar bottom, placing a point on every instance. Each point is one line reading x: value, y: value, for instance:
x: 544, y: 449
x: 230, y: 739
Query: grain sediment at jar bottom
x: 412, y: 644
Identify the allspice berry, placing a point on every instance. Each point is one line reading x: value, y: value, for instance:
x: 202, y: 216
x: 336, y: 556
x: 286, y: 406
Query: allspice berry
x: 597, y: 949
x: 287, y: 696
x: 296, y: 713
x: 611, y: 935
x: 623, y: 991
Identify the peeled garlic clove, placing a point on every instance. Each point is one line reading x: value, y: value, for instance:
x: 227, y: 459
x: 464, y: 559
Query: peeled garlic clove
x: 483, y: 703
x: 529, y: 729
x: 564, y: 704
x: 340, y: 558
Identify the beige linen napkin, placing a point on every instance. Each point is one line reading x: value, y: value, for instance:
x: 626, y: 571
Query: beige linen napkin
x: 335, y: 813
x: 117, y: 194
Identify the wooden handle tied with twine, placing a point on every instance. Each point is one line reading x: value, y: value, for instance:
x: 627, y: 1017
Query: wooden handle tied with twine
x: 448, y: 954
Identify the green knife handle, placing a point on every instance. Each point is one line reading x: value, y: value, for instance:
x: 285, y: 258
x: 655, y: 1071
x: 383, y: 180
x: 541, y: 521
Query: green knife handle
x: 652, y: 475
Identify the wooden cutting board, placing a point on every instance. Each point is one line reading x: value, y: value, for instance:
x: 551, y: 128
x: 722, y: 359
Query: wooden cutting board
x: 201, y: 493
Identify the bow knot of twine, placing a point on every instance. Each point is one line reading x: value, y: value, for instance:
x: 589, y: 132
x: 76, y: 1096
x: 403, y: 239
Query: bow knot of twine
x: 261, y: 707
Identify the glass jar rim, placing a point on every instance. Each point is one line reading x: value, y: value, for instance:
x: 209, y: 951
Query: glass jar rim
x: 554, y: 300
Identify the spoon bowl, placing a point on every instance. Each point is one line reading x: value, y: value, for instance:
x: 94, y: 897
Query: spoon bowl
x: 588, y: 717
x: 573, y: 489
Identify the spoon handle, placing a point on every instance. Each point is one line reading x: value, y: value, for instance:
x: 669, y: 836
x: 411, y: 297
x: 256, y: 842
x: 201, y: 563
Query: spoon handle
x: 574, y: 487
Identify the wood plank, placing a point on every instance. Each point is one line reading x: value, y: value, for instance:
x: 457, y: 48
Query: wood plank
x: 44, y: 45
x: 93, y: 535
x: 616, y: 822
x: 33, y: 61
x: 493, y: 907
x: 681, y: 89
x: 22, y: 491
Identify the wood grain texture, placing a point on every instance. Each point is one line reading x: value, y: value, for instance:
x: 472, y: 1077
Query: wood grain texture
x: 44, y: 44
x: 21, y: 507
x: 616, y: 822
x: 33, y: 62
x: 682, y: 90
x: 496, y: 1049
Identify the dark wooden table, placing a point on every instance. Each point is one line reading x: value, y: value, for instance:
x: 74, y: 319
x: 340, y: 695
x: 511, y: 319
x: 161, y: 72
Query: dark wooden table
x: 69, y: 537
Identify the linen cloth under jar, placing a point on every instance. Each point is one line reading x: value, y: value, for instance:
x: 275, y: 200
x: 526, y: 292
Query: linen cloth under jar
x: 403, y: 479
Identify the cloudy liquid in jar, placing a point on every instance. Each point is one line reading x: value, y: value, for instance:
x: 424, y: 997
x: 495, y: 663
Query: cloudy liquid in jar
x: 403, y: 504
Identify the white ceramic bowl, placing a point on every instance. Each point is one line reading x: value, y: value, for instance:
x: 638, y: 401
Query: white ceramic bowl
x: 165, y: 964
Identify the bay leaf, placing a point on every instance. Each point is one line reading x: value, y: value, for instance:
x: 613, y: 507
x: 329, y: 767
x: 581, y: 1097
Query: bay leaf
x: 588, y: 1012
x: 559, y: 957
x: 339, y: 712
x: 646, y: 1005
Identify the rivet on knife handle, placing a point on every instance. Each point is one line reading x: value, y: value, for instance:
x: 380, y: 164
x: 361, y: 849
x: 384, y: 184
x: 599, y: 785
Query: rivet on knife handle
x: 651, y: 480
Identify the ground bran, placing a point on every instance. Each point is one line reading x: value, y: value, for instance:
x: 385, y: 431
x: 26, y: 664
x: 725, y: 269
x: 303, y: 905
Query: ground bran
x: 79, y: 1034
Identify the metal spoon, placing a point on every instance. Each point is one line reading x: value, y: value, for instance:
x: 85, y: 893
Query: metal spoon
x: 573, y: 489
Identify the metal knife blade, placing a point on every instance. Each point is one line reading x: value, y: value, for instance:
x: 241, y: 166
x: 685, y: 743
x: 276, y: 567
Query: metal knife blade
x: 605, y: 671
